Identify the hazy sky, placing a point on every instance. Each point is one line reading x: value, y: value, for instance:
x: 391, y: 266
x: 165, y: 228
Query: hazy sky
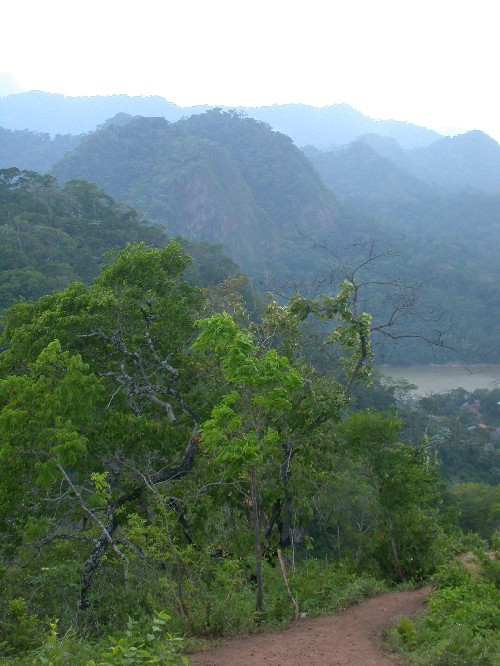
x: 431, y: 62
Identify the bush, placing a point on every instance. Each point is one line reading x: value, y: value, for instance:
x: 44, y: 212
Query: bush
x: 462, y: 625
x: 20, y: 629
x: 156, y: 647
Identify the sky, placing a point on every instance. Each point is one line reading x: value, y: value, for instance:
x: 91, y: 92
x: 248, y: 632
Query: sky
x: 430, y: 62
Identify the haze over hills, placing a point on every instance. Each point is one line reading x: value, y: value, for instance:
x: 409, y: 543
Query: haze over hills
x: 336, y: 125
x: 465, y: 160
x: 322, y: 127
x: 35, y: 151
x: 225, y: 178
x: 448, y: 238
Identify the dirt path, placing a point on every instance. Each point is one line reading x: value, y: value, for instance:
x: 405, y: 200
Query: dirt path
x: 350, y: 638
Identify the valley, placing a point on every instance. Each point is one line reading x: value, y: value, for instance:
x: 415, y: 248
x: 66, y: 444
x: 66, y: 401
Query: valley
x: 212, y: 322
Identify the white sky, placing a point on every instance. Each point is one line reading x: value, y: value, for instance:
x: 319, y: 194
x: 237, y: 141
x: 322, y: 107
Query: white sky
x: 431, y: 62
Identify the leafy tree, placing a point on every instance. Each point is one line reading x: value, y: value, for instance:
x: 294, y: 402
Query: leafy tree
x: 478, y: 506
x: 96, y: 398
x: 405, y: 482
x: 248, y: 429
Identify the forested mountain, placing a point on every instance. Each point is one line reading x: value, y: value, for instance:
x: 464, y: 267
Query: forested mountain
x: 358, y: 172
x: 322, y: 127
x: 50, y: 236
x: 446, y: 239
x: 33, y: 151
x: 217, y: 177
x: 466, y: 160
x: 220, y: 177
x: 163, y: 446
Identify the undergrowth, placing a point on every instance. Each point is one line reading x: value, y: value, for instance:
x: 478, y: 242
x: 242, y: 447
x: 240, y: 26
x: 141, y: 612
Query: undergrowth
x: 462, y: 624
x: 215, y: 610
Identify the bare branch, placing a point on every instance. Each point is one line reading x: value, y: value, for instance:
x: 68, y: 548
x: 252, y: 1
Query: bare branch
x: 90, y: 514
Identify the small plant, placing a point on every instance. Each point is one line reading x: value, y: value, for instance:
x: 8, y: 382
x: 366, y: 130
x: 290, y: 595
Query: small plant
x: 407, y: 632
x: 157, y: 647
x: 20, y: 630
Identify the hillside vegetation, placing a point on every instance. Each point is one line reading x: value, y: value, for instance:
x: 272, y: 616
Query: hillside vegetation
x: 216, y: 177
x: 445, y: 239
x: 183, y: 457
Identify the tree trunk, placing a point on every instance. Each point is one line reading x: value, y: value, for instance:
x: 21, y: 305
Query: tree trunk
x: 94, y: 559
x: 259, y: 595
x: 397, y: 563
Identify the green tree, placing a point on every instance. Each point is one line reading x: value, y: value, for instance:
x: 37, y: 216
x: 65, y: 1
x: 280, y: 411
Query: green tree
x: 405, y: 481
x: 248, y: 428
x: 96, y: 406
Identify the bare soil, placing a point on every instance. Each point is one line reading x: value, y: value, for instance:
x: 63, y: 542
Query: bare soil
x: 350, y: 638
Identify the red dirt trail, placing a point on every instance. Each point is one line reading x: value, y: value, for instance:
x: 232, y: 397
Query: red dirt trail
x: 350, y: 638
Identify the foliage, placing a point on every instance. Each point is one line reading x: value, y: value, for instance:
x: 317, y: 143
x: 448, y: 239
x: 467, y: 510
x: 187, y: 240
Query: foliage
x: 50, y: 237
x: 157, y: 647
x: 21, y: 629
x: 478, y: 507
x: 156, y: 453
x: 460, y: 627
x: 73, y: 433
x: 323, y: 588
x: 405, y: 482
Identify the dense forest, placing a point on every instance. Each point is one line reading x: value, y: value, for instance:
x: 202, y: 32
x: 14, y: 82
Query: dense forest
x: 192, y: 175
x: 185, y: 456
x: 221, y: 177
x: 218, y: 177
x: 157, y: 450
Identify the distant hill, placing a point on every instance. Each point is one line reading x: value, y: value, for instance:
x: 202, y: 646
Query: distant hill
x: 56, y: 114
x: 363, y: 178
x: 470, y: 160
x: 217, y: 177
x: 306, y: 125
x: 447, y: 239
x: 336, y: 125
x: 33, y: 150
x: 465, y: 160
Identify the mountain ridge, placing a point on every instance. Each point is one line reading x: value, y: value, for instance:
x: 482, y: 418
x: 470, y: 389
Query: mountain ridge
x: 57, y: 114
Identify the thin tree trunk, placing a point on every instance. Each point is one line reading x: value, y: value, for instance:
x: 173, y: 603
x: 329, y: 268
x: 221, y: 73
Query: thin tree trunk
x: 106, y: 539
x: 257, y: 543
x: 286, y: 536
x: 397, y: 563
x: 287, y: 585
x: 93, y: 561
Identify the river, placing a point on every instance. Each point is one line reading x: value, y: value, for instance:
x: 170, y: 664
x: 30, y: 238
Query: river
x: 442, y: 378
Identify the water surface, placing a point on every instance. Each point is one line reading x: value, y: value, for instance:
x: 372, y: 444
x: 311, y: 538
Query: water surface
x: 441, y: 378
